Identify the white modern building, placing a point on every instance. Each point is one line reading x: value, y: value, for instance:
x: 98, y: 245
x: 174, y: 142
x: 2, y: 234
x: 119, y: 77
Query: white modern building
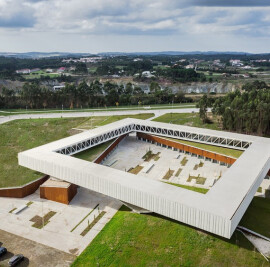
x: 219, y: 211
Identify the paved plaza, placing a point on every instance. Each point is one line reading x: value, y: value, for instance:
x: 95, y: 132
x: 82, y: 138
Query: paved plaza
x: 184, y: 166
x: 63, y: 232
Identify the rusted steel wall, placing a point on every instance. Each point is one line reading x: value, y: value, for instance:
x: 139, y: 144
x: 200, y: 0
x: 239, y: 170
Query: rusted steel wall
x: 58, y: 194
x: 23, y: 191
x: 109, y: 149
x: 190, y: 149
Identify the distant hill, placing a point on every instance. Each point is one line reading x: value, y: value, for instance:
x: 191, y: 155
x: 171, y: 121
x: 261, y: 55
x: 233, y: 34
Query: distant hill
x: 168, y: 53
x: 173, y: 53
x: 43, y: 54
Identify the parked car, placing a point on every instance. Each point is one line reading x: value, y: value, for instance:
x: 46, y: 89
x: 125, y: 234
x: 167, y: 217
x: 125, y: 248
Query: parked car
x: 3, y: 251
x: 15, y: 260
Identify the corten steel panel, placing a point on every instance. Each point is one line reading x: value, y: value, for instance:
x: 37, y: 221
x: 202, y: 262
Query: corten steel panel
x: 58, y: 194
x: 23, y: 191
x: 190, y: 149
x: 72, y: 191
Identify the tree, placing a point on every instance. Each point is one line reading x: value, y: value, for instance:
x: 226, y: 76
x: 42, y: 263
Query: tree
x: 203, y: 105
x: 31, y: 93
x: 81, y: 68
x: 154, y: 87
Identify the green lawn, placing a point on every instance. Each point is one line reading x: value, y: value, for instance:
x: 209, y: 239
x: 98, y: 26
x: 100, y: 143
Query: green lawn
x: 131, y: 239
x: 38, y: 74
x: 257, y: 216
x: 93, y: 122
x: 222, y: 150
x: 192, y: 119
x: 20, y: 135
x: 193, y: 188
x: 93, y: 153
x: 189, y: 119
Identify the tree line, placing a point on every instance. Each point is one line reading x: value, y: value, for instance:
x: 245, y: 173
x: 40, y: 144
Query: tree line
x: 95, y: 94
x: 244, y: 112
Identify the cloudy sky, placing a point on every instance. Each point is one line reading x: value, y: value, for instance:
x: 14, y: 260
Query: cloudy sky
x: 134, y: 25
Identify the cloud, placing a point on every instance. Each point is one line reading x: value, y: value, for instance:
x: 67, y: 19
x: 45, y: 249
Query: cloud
x: 16, y: 14
x: 190, y: 19
x: 230, y: 3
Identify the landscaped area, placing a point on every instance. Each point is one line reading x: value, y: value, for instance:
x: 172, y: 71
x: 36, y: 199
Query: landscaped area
x: 131, y: 239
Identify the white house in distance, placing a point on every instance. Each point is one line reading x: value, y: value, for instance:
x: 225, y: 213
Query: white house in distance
x: 147, y: 74
x: 58, y: 87
x: 23, y: 71
x: 61, y: 70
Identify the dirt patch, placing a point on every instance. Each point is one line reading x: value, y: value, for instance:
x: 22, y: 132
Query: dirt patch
x: 35, y: 253
x: 74, y: 131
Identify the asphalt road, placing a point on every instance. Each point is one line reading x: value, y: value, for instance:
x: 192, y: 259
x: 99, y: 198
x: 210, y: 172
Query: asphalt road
x: 157, y: 112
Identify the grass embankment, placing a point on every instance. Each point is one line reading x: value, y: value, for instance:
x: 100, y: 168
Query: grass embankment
x: 20, y: 135
x: 92, y: 153
x: 94, y: 122
x: 257, y: 216
x: 192, y: 119
x: 131, y: 239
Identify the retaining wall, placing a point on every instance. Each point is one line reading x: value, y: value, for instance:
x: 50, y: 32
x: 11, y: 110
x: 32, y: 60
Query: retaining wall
x: 23, y: 191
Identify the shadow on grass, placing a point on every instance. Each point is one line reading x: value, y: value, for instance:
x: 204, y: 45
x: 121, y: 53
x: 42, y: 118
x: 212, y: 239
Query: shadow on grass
x: 237, y: 238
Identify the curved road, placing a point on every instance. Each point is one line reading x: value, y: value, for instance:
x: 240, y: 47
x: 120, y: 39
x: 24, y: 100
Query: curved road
x: 157, y: 112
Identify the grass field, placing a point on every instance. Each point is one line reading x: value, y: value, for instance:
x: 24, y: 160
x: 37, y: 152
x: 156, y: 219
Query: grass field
x: 131, y: 239
x: 192, y: 119
x: 38, y: 74
x: 20, y: 135
x: 189, y: 119
x: 94, y: 122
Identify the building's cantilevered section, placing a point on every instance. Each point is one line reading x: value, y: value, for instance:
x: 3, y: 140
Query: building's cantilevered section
x: 219, y: 211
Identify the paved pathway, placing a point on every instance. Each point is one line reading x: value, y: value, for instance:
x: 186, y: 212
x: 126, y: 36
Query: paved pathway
x: 157, y: 112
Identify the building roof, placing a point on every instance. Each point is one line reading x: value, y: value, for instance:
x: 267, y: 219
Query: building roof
x: 222, y: 207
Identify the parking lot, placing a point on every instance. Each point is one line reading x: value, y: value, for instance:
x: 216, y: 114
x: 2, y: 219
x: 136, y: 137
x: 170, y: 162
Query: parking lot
x: 35, y: 254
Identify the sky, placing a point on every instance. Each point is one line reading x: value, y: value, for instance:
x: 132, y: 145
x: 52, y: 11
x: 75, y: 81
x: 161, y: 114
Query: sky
x: 94, y: 26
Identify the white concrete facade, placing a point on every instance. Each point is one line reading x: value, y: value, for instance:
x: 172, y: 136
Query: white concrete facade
x: 219, y: 211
